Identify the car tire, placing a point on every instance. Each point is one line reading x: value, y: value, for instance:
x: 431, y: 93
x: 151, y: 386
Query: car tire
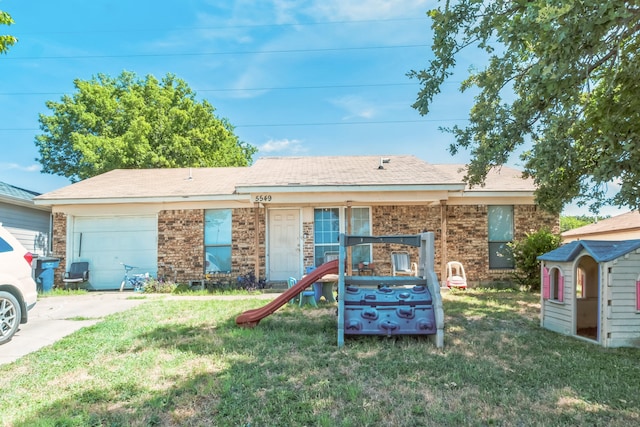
x: 10, y: 315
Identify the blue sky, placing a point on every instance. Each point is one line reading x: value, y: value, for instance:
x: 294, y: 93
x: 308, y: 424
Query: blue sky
x: 312, y: 77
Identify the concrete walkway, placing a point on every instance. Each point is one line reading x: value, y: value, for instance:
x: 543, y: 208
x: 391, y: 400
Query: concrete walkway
x: 53, y: 317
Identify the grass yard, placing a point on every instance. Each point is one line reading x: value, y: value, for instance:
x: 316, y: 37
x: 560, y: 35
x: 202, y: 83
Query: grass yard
x: 186, y: 363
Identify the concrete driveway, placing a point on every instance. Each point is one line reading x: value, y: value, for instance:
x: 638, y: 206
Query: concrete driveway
x: 53, y: 317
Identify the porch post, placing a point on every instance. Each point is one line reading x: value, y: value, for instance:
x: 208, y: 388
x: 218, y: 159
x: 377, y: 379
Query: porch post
x: 256, y: 239
x: 443, y: 241
x: 348, y: 233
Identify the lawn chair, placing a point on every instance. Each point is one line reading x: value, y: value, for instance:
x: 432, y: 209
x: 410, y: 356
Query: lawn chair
x: 401, y: 264
x: 306, y: 296
x: 456, y: 277
x: 330, y: 256
x: 78, y: 273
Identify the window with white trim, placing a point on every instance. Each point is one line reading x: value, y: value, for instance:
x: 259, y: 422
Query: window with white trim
x: 360, y: 226
x: 326, y: 231
x: 217, y: 241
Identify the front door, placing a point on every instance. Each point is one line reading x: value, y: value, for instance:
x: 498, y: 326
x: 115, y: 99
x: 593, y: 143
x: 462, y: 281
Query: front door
x: 284, y: 244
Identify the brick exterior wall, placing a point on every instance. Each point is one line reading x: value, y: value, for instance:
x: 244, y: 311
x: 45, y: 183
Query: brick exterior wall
x: 530, y: 218
x: 308, y: 249
x: 468, y: 242
x: 243, y: 236
x: 181, y: 243
x: 467, y: 235
x: 389, y: 220
x: 59, y: 246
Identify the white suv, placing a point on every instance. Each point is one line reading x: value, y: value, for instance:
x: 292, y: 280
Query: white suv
x: 18, y: 292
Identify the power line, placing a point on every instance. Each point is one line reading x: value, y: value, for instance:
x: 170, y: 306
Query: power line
x: 257, y: 125
x: 248, y: 52
x: 377, y: 122
x: 227, y: 27
x: 248, y: 89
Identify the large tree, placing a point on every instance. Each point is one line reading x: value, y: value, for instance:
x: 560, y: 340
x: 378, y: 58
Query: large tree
x: 562, y: 82
x: 127, y: 122
x: 6, y: 41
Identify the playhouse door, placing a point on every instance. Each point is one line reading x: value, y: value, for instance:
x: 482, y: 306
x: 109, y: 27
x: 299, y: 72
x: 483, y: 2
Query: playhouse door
x: 284, y: 244
x: 586, y: 297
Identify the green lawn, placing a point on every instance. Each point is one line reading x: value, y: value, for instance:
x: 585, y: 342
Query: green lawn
x: 185, y: 362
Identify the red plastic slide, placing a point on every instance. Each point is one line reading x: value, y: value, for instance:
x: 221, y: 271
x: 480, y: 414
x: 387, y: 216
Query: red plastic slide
x: 251, y: 318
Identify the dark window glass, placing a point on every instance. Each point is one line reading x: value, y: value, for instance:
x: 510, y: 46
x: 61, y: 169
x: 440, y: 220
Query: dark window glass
x: 500, y: 219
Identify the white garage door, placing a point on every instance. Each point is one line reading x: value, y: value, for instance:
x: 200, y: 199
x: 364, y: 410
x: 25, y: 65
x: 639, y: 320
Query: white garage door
x: 107, y: 242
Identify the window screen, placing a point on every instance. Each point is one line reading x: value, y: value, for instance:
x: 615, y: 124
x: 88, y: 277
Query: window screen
x: 500, y: 234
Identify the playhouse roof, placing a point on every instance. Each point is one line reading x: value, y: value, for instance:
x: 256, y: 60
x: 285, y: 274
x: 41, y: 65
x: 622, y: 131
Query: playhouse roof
x: 600, y: 250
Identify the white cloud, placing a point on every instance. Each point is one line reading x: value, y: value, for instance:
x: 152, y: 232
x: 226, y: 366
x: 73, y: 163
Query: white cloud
x: 355, y: 107
x: 15, y: 166
x: 288, y: 146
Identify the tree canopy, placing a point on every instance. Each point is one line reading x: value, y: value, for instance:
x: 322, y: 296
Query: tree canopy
x: 561, y: 83
x: 571, y: 222
x: 6, y: 41
x: 132, y: 123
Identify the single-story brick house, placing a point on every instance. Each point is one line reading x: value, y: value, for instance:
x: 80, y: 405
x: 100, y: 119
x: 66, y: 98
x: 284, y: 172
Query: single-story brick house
x: 283, y: 214
x: 30, y: 224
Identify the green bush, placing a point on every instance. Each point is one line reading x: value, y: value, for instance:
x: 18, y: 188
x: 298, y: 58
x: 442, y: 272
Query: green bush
x: 525, y: 255
x: 182, y: 288
x: 153, y: 286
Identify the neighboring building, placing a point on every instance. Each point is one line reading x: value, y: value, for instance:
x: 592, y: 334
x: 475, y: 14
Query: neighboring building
x: 284, y: 213
x: 621, y: 227
x: 30, y: 224
x: 591, y: 290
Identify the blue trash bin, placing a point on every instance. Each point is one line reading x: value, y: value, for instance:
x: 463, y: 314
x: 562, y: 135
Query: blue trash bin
x: 45, y: 272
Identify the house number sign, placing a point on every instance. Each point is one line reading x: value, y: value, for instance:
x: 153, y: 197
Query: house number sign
x: 261, y: 198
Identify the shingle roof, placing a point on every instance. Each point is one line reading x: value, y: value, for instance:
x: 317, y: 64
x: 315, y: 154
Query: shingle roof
x: 134, y: 183
x: 13, y: 192
x: 600, y: 250
x: 401, y: 170
x: 346, y: 170
x: 503, y: 178
x: 626, y: 221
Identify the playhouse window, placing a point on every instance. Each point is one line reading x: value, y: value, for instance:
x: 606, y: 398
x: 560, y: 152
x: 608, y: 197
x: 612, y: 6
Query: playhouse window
x: 553, y: 284
x: 556, y: 284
